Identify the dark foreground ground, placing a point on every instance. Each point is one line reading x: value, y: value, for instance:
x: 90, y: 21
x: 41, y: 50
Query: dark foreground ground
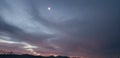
x: 28, y: 56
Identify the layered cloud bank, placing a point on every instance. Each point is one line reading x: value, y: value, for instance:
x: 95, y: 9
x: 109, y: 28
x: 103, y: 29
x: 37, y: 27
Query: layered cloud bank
x: 63, y: 27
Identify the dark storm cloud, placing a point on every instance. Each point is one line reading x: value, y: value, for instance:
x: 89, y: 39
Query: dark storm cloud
x: 79, y: 27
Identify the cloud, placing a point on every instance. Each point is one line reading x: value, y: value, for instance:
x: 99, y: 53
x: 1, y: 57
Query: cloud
x: 71, y: 28
x: 25, y: 45
x: 8, y: 28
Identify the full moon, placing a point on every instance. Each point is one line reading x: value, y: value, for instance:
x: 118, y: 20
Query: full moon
x: 49, y: 8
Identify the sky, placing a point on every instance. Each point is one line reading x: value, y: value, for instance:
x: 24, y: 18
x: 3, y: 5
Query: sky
x: 86, y: 28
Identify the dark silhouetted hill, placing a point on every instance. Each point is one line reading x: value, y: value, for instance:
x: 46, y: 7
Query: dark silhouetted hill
x: 28, y: 56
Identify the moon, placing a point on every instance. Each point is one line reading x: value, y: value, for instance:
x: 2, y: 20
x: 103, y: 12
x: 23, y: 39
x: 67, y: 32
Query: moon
x: 49, y: 8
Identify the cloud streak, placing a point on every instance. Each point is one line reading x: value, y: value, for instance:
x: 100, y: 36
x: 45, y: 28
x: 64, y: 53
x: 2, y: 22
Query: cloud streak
x: 25, y: 45
x: 75, y: 28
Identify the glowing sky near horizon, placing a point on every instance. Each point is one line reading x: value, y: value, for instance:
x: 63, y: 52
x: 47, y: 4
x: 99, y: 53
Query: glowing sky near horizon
x: 87, y: 28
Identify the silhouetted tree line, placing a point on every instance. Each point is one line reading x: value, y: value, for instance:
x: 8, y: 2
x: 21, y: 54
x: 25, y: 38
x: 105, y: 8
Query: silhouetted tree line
x: 28, y: 56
